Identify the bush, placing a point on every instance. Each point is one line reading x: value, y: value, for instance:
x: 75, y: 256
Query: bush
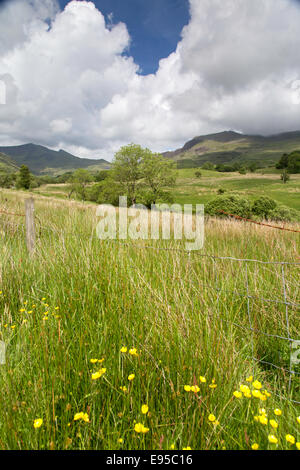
x: 232, y: 204
x: 284, y: 214
x: 263, y: 206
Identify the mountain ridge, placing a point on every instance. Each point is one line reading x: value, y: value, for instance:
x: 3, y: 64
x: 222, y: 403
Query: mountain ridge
x: 41, y: 160
x: 231, y: 147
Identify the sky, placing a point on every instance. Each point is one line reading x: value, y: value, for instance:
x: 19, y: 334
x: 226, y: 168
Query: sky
x: 90, y: 77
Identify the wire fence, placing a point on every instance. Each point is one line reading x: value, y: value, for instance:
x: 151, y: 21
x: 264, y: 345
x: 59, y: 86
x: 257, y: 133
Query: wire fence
x: 267, y: 312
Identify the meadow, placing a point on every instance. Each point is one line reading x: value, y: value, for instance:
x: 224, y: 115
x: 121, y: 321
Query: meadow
x: 141, y: 345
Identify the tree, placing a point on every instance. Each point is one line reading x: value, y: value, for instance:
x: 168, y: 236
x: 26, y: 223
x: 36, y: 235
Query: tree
x: 208, y: 166
x: 126, y: 169
x: 285, y: 177
x: 198, y: 174
x: 24, y: 178
x: 158, y: 173
x: 79, y: 182
x: 290, y: 162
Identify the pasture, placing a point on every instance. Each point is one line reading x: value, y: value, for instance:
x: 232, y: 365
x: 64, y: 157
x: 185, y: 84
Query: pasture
x: 95, y: 330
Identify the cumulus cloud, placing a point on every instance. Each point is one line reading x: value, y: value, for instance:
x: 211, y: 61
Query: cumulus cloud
x: 69, y: 85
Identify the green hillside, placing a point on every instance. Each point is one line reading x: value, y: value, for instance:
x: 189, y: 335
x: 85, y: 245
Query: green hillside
x: 7, y: 165
x: 42, y: 160
x: 231, y: 147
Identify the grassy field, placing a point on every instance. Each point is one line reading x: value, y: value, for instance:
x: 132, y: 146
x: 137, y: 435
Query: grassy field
x: 67, y: 312
x: 192, y: 190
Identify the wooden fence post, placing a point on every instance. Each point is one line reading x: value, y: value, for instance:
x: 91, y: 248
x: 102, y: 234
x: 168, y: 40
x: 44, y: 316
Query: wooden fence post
x: 30, y: 226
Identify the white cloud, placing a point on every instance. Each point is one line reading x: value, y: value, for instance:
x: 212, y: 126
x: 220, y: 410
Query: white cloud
x: 69, y: 85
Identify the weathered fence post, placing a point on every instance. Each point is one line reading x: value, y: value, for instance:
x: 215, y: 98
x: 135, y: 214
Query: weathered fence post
x: 30, y: 226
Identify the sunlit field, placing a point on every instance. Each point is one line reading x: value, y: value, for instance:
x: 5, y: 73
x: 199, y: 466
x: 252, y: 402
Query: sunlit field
x: 141, y: 345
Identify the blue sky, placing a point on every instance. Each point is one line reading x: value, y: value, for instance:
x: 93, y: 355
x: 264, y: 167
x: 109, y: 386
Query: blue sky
x: 154, y: 26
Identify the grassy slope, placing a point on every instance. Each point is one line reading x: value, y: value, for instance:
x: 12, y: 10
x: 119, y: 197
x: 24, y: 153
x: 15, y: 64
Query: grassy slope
x: 160, y: 302
x: 221, y: 149
x: 192, y: 190
x: 7, y: 165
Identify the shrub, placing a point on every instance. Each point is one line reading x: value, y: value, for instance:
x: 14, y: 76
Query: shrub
x: 232, y: 204
x: 263, y: 205
x: 284, y: 214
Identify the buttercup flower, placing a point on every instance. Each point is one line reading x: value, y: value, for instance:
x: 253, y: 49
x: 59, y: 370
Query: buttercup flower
x: 187, y: 388
x: 250, y: 379
x: 272, y: 439
x: 256, y: 384
x: 186, y: 448
x: 145, y: 409
x: 255, y: 446
x: 133, y: 352
x: 289, y: 438
x: 131, y: 377
x: 123, y: 349
x: 277, y: 412
x: 212, y: 418
x: 237, y: 394
x: 140, y: 428
x: 202, y: 379
x: 37, y: 423
x: 273, y: 423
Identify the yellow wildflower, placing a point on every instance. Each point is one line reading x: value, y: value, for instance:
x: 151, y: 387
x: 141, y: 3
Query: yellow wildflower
x: 298, y: 445
x: 273, y: 423
x: 145, y: 409
x: 131, y: 377
x: 237, y: 394
x: 277, y: 412
x: 187, y: 388
x: 37, y: 423
x: 202, y: 379
x: 213, y: 384
x: 272, y: 439
x: 124, y: 389
x: 195, y: 389
x: 212, y: 418
x: 298, y: 419
x: 133, y: 352
x: 186, y: 448
x: 263, y: 419
x: 256, y: 384
x: 289, y: 438
x: 140, y: 428
x: 98, y: 374
x: 123, y: 349
x: 93, y: 361
x: 120, y: 441
x: 255, y: 446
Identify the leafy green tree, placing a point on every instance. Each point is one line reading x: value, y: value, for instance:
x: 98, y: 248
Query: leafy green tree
x: 198, y: 174
x: 208, y: 166
x: 79, y: 181
x: 283, y: 162
x: 102, y: 175
x: 141, y: 175
x: 285, y: 177
x: 126, y: 170
x: 294, y: 162
x: 157, y: 173
x: 24, y: 178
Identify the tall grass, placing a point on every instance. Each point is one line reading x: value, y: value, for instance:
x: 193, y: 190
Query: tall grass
x: 184, y: 315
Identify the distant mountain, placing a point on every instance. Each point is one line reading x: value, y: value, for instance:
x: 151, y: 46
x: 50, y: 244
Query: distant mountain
x: 231, y: 147
x: 40, y: 159
x: 7, y: 164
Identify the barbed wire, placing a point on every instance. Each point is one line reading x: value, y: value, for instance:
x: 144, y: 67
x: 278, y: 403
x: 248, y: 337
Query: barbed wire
x: 258, y: 223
